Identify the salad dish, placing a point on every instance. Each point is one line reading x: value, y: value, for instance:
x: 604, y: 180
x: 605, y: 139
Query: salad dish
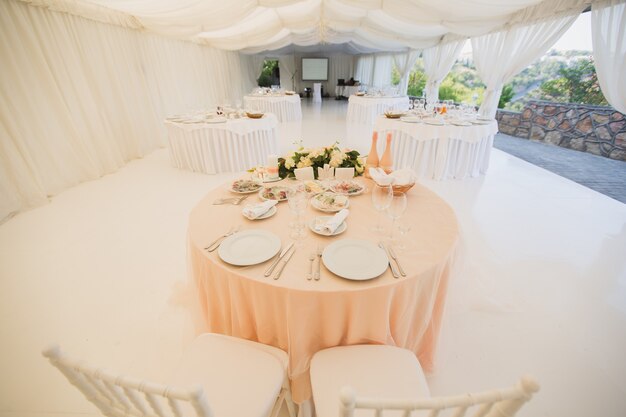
x: 330, y: 202
x: 244, y: 186
x: 278, y: 193
x: 347, y: 188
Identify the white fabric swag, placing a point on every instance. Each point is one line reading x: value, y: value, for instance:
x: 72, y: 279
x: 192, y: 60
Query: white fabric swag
x: 404, y: 64
x: 438, y: 62
x: 80, y: 98
x: 499, y: 56
x: 288, y: 75
x: 608, y: 30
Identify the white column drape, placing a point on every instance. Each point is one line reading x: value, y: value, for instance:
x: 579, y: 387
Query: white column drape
x: 499, y: 56
x: 404, y: 63
x: 79, y: 98
x: 438, y: 62
x: 608, y: 30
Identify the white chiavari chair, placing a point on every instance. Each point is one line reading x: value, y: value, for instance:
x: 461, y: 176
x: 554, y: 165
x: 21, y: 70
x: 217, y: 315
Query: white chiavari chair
x: 385, y: 381
x: 217, y: 376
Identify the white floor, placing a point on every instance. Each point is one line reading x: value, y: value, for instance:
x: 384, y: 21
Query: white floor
x: 541, y: 287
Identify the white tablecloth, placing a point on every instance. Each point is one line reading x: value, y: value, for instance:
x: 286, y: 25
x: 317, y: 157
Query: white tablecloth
x: 366, y: 109
x: 439, y: 152
x: 346, y: 90
x: 233, y: 146
x: 286, y: 108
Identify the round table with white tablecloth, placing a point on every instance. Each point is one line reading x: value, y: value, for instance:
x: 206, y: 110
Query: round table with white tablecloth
x: 439, y: 151
x: 285, y: 107
x: 365, y: 109
x: 230, y: 146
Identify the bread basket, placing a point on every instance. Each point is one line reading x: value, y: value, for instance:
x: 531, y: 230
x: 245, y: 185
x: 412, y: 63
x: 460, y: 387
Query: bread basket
x: 254, y: 115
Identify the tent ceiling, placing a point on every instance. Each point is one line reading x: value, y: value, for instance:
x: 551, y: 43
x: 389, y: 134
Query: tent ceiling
x: 349, y: 26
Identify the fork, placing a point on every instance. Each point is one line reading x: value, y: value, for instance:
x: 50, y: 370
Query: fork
x: 319, y: 262
x: 216, y: 243
x: 240, y: 199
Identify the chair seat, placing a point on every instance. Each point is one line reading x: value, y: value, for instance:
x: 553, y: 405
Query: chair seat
x: 372, y: 370
x: 239, y: 377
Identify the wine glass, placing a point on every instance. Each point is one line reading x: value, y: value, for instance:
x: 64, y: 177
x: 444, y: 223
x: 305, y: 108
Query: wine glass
x: 381, y: 199
x: 297, y: 200
x: 396, y: 209
x: 404, y: 228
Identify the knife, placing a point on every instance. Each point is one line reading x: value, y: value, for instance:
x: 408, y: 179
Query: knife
x: 269, y: 270
x: 395, y: 258
x: 283, y: 263
x: 391, y: 265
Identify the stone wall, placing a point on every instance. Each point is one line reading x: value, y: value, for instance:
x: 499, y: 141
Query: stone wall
x: 594, y: 129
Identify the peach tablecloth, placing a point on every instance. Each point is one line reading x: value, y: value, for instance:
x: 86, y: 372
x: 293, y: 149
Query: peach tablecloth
x: 303, y: 317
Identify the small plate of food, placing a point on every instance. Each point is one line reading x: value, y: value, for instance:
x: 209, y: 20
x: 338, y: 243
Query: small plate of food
x: 347, y: 187
x: 244, y: 186
x: 277, y: 192
x: 330, y: 202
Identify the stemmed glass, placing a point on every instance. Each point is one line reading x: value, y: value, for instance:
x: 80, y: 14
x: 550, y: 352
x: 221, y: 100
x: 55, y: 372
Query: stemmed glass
x: 381, y: 199
x: 396, y: 209
x: 297, y: 199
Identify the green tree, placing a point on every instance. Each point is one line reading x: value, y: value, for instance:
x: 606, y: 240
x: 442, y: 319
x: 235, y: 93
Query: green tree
x: 506, y: 95
x: 268, y: 74
x: 576, y: 84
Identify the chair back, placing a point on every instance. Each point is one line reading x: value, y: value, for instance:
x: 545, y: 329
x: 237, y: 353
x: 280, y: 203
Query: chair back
x: 121, y: 396
x: 497, y: 403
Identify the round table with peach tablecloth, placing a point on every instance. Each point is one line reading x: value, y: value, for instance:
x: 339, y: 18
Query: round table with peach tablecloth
x: 304, y: 316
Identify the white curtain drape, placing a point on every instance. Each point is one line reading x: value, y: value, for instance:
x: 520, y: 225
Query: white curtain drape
x: 608, y: 30
x: 287, y: 66
x: 78, y: 98
x: 499, y: 56
x: 438, y: 62
x: 404, y: 63
x: 253, y: 65
x: 374, y: 70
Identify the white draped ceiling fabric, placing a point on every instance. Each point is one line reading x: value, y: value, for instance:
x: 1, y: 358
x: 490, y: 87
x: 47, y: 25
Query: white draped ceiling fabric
x: 499, y: 56
x: 608, y: 30
x: 85, y: 84
x: 438, y: 62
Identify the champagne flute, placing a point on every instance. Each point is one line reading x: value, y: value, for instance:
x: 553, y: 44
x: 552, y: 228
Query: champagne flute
x: 396, y: 209
x: 381, y: 199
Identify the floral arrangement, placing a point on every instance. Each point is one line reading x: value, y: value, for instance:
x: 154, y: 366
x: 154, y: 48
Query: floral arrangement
x: 318, y: 157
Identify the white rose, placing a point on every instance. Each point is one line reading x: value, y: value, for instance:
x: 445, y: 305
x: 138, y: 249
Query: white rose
x: 289, y: 163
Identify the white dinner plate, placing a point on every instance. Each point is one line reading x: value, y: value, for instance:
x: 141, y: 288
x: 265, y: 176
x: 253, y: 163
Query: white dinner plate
x: 342, y: 227
x: 434, y: 122
x: 411, y: 119
x: 265, y: 215
x: 355, y: 259
x: 249, y: 247
x: 461, y: 123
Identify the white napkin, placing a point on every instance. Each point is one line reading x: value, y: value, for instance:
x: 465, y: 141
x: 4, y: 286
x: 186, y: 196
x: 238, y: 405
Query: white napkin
x: 400, y: 177
x: 403, y: 176
x: 344, y: 173
x: 331, y: 225
x: 304, y: 174
x: 380, y: 177
x: 257, y: 210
